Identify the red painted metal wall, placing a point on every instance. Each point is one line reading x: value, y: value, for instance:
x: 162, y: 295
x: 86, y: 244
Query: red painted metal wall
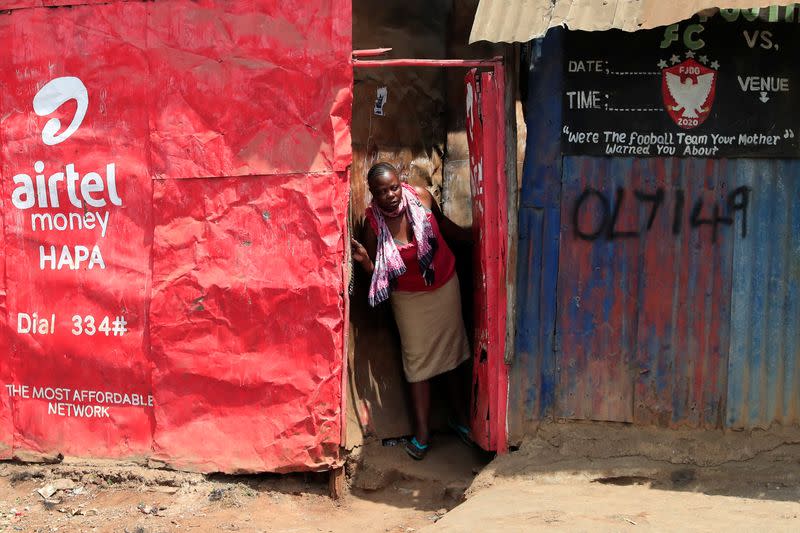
x: 219, y: 135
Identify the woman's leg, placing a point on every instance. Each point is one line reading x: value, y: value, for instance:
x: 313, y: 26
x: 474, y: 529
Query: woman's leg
x: 421, y: 399
x: 457, y: 394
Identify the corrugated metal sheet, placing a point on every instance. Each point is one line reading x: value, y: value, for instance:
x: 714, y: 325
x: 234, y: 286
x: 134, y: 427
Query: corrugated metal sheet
x: 685, y: 291
x: 671, y: 327
x: 532, y: 376
x: 643, y: 307
x: 764, y: 370
x: 523, y: 20
x: 597, y: 301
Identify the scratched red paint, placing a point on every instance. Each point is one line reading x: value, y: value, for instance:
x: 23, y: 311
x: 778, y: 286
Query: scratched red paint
x: 210, y: 235
x: 480, y: 408
x: 485, y: 133
x: 685, y: 303
x: 597, y: 300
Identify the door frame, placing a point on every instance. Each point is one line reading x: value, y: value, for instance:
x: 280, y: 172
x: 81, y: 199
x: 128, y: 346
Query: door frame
x: 497, y: 389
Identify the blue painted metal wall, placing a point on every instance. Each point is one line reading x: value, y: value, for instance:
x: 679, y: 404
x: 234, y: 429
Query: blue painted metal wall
x: 764, y: 369
x: 533, y: 372
x: 675, y: 329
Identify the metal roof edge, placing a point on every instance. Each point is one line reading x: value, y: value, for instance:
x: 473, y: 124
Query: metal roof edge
x: 511, y: 21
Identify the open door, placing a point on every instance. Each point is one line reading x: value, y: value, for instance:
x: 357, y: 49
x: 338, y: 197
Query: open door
x: 486, y: 124
x: 486, y: 139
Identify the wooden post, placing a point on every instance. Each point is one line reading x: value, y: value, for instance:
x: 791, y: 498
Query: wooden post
x: 336, y: 483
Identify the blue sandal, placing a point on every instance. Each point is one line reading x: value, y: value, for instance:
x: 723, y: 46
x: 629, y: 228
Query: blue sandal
x: 462, y: 432
x: 416, y: 450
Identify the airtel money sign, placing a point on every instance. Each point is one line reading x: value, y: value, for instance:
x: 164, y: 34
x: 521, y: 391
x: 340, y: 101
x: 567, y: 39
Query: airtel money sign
x: 77, y: 226
x: 88, y: 194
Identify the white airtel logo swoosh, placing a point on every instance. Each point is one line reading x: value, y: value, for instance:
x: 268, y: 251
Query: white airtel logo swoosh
x: 50, y: 97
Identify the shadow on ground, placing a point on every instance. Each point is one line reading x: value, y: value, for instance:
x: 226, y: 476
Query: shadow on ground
x: 756, y: 464
x: 387, y: 474
x: 607, y: 478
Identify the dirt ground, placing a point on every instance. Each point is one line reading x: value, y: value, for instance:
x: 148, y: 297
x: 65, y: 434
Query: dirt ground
x: 517, y: 506
x: 389, y: 492
x: 608, y: 478
x: 567, y: 477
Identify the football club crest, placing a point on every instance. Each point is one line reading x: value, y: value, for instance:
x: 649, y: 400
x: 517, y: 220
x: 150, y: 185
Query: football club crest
x: 689, y: 88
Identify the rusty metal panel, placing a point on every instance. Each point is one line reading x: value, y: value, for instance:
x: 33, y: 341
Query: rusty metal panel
x: 680, y: 325
x: 598, y: 290
x: 678, y: 292
x: 764, y: 367
x: 684, y: 301
x: 644, y: 289
x: 523, y: 20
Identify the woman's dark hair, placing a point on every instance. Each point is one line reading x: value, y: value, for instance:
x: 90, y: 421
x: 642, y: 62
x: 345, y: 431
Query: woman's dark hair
x: 380, y: 169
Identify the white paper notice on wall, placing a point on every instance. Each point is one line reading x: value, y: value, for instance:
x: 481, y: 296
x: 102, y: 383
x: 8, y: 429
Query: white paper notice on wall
x: 380, y: 100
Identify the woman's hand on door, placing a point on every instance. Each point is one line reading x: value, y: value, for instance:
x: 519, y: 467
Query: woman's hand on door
x: 360, y: 255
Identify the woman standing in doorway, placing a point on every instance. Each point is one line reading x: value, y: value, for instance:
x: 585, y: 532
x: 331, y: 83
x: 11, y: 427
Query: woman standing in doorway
x: 412, y: 267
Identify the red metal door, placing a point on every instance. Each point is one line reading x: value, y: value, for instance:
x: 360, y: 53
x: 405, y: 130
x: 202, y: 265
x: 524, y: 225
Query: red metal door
x: 486, y: 139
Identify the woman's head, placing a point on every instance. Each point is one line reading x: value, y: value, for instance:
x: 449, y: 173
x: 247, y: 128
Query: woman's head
x: 384, y: 184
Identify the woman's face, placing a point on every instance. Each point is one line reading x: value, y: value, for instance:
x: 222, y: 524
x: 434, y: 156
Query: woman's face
x: 387, y: 191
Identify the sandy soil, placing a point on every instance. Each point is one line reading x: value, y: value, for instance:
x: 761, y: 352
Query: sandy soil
x: 604, y: 478
x: 567, y: 477
x: 518, y: 505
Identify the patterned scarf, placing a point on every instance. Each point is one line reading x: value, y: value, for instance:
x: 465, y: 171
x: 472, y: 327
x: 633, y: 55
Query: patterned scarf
x: 388, y: 264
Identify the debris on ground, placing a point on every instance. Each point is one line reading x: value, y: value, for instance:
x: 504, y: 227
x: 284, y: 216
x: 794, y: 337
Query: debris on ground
x: 86, y: 496
x: 46, y: 491
x: 216, y: 494
x: 150, y: 509
x: 564, y: 479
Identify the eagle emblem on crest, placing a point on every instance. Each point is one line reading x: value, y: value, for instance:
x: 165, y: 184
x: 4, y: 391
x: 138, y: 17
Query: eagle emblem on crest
x: 689, y: 88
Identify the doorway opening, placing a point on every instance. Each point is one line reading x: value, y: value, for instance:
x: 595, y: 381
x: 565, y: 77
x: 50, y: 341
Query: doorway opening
x: 470, y: 186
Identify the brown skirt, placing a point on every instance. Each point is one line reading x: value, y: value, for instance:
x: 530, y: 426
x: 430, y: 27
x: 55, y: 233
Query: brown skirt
x: 432, y: 332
